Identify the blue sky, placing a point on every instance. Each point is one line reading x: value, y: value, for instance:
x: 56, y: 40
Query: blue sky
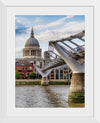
x: 46, y: 28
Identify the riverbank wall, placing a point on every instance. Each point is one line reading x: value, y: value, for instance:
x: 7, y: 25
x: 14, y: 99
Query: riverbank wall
x: 38, y: 82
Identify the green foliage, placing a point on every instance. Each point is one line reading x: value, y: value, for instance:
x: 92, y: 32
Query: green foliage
x: 28, y: 82
x: 32, y: 75
x: 78, y: 94
x: 59, y: 83
x: 17, y: 74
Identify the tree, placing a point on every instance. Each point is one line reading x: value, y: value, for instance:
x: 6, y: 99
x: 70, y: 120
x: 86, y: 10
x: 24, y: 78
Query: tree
x: 32, y: 75
x: 17, y: 75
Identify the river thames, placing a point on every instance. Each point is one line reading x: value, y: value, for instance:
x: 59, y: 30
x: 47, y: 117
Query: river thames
x: 52, y: 96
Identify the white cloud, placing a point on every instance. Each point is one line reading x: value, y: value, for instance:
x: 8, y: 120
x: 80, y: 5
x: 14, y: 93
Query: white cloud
x: 74, y: 27
x: 70, y: 16
x: 67, y: 30
x: 19, y: 19
x: 38, y: 19
x: 24, y: 22
x: 19, y: 52
x: 20, y: 43
x: 20, y: 40
x: 52, y: 24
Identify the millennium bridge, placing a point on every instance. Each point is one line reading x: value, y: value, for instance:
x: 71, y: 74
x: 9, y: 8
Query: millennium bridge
x: 63, y: 54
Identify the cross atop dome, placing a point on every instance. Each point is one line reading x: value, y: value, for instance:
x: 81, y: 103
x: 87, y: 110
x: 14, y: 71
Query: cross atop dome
x: 32, y: 33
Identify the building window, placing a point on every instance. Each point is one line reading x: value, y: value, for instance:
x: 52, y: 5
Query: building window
x: 26, y: 52
x: 22, y: 68
x: 61, y: 74
x: 57, y: 71
x: 65, y: 76
x: 57, y: 74
x: 26, y: 74
x: 20, y: 71
x: 40, y: 64
x: 26, y: 68
x: 30, y: 68
x: 52, y: 74
x: 33, y: 53
x: 22, y: 74
x: 34, y: 62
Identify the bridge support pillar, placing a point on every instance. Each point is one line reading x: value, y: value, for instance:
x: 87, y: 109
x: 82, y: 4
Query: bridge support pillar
x: 44, y: 81
x: 76, y: 92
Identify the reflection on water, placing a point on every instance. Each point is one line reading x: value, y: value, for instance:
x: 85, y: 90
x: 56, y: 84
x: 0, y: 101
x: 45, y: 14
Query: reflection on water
x: 43, y: 96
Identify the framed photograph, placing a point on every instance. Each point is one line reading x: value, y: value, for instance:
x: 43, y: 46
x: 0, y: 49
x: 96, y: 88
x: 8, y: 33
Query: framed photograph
x: 49, y: 63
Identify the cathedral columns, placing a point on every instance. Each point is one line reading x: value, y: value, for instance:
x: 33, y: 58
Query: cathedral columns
x: 36, y: 52
x: 29, y: 52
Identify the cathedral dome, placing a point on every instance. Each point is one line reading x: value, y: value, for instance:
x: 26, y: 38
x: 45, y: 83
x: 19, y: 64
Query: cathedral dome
x: 32, y: 41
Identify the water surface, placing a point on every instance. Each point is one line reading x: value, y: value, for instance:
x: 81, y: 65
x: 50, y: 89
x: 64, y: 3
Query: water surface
x: 51, y: 96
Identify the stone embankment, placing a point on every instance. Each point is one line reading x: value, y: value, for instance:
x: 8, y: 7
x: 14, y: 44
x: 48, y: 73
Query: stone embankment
x: 38, y: 82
